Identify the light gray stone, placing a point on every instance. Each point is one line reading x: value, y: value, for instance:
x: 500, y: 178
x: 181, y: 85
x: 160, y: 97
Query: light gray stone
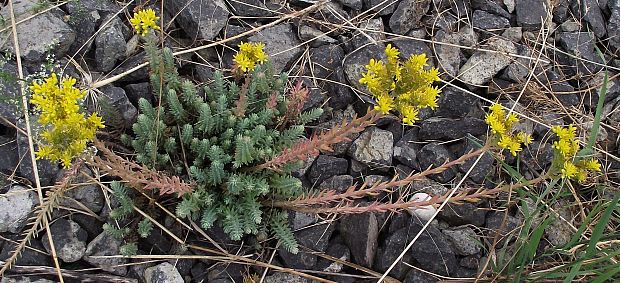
x: 38, y: 35
x: 281, y: 44
x: 105, y: 244
x: 483, y: 65
x: 374, y: 147
x: 162, y: 273
x: 69, y: 240
x: 15, y: 207
x: 464, y: 240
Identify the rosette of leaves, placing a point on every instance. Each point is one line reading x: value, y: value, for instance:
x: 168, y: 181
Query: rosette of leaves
x: 216, y: 137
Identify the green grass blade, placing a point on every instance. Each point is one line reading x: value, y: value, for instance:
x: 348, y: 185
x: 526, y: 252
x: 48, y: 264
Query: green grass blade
x: 597, y: 234
x: 588, y: 149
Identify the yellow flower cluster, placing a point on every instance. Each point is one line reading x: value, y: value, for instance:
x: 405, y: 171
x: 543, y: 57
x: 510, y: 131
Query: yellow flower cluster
x: 566, y: 148
x: 501, y: 126
x: 68, y: 130
x: 250, y: 54
x: 402, y: 86
x: 143, y: 20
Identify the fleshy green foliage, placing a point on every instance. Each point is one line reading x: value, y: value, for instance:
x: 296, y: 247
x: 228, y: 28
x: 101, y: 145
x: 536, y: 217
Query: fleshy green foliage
x: 122, y: 213
x: 403, y: 86
x: 128, y: 249
x: 68, y: 130
x: 216, y: 141
x: 144, y: 228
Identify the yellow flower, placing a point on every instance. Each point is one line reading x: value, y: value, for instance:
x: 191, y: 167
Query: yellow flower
x: 244, y: 63
x: 143, y: 20
x: 385, y: 103
x: 67, y: 130
x: 569, y: 170
x: 391, y: 52
x: 502, y: 127
x: 406, y: 87
x: 566, y: 148
x: 250, y: 54
x: 592, y: 165
x: 410, y: 115
x: 524, y: 138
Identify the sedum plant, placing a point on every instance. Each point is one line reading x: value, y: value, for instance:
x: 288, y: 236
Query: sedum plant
x: 502, y: 126
x: 68, y: 130
x: 217, y: 137
x: 566, y: 162
x: 406, y: 87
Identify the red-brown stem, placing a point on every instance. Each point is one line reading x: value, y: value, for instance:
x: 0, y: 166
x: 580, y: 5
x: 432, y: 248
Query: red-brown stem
x: 330, y: 196
x: 309, y: 148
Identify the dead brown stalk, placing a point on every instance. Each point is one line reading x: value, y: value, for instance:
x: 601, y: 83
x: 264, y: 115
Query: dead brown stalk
x: 305, y: 149
x: 137, y: 175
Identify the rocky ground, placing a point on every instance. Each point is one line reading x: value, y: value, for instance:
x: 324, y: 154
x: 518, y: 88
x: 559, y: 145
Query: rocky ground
x: 541, y: 55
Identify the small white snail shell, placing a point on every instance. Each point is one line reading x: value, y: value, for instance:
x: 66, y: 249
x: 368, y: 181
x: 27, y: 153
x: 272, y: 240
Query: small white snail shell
x: 424, y: 213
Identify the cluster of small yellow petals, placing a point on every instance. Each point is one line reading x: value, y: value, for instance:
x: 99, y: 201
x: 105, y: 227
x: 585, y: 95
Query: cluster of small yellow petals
x: 144, y: 20
x: 402, y: 86
x: 67, y: 129
x: 249, y: 55
x: 501, y: 124
x: 566, y: 148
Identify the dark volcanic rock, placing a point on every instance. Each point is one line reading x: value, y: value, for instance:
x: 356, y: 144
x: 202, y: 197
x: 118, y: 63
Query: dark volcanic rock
x: 355, y: 63
x: 501, y: 225
x: 281, y: 40
x: 449, y: 129
x: 454, y: 103
x: 117, y: 98
x: 582, y: 45
x: 466, y: 213
x: 408, y: 47
x: 407, y: 15
x: 491, y: 6
x: 431, y: 251
x: 102, y: 245
x: 10, y: 104
x: 485, y: 20
x: 315, y: 238
x: 326, y: 166
x: 47, y: 170
x: 434, y: 154
x: 613, y: 25
x: 464, y: 240
x: 36, y: 34
x: 381, y: 7
x: 360, y: 233
x: 537, y: 156
x: 484, y: 166
x: 110, y: 44
x: 8, y: 154
x: 200, y: 19
x: 326, y: 63
x: 29, y: 256
x: 250, y: 8
x: 590, y: 12
x: 530, y: 13
x: 339, y: 183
